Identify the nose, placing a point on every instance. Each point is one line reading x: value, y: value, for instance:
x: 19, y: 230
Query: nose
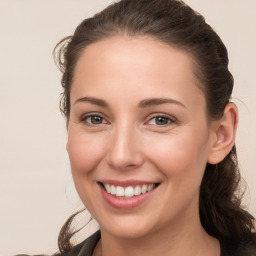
x: 125, y: 149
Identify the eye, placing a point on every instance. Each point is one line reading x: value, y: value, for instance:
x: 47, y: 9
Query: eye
x: 94, y: 120
x: 160, y: 120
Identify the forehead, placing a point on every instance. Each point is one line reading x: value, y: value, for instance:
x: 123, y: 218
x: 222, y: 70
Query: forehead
x: 135, y: 64
x: 134, y: 52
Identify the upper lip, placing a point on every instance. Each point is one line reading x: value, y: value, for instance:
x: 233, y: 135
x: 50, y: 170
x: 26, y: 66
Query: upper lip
x: 126, y: 183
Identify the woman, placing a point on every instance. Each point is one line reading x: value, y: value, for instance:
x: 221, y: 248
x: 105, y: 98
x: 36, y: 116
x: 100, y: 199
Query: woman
x: 151, y: 133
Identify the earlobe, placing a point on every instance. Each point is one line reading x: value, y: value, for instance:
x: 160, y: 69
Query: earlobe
x: 224, y: 134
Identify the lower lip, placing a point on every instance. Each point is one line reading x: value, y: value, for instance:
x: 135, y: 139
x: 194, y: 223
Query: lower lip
x: 125, y: 203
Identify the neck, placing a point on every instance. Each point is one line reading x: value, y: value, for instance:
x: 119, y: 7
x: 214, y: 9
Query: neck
x: 186, y: 240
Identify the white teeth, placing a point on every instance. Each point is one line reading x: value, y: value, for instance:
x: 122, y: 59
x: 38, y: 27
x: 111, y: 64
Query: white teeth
x: 150, y: 187
x: 144, y: 189
x: 112, y: 190
x: 107, y: 187
x: 119, y: 191
x: 128, y: 191
x: 137, y: 190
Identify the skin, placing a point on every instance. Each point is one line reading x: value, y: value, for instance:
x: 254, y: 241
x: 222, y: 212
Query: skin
x: 129, y: 144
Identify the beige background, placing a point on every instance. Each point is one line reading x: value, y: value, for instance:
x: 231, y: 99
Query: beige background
x: 36, y: 189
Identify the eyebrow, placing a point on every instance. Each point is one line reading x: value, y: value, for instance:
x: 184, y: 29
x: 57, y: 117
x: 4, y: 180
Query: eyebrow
x: 142, y: 104
x: 92, y: 100
x: 159, y: 101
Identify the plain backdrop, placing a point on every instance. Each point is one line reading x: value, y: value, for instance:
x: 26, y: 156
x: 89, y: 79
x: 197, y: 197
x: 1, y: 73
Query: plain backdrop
x: 36, y: 188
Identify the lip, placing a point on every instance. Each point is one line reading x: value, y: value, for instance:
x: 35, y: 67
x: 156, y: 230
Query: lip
x: 127, y: 183
x: 125, y: 203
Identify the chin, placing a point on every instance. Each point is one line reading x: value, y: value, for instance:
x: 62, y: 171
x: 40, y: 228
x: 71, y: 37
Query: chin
x: 126, y: 232
x: 128, y: 227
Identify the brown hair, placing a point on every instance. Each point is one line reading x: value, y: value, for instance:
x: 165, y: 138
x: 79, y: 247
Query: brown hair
x: 176, y: 24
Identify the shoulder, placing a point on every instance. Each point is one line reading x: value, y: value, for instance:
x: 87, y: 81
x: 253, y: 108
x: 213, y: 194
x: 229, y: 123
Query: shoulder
x: 85, y: 248
x: 247, y: 247
x: 243, y: 247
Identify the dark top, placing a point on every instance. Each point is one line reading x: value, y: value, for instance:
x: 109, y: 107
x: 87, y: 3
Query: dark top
x: 247, y: 247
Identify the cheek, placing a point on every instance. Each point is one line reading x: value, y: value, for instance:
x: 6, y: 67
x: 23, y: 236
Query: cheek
x: 84, y: 152
x: 180, y: 156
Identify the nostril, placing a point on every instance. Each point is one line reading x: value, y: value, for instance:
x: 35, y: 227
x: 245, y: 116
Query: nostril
x: 125, y: 161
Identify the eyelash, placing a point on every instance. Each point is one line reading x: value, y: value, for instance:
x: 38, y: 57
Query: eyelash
x: 168, y: 119
x: 83, y: 119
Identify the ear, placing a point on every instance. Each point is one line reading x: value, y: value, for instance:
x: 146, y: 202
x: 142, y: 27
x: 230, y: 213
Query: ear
x: 224, y: 132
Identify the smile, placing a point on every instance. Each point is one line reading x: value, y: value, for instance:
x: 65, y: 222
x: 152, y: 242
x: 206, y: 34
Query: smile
x: 125, y: 195
x: 130, y: 191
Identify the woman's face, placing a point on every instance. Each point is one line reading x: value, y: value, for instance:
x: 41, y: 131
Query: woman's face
x: 138, y: 122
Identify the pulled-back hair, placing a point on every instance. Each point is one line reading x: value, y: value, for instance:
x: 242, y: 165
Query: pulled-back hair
x: 178, y: 25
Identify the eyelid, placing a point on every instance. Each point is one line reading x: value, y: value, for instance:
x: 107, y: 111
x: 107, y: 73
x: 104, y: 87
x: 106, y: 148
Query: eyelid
x: 172, y: 119
x: 91, y: 114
